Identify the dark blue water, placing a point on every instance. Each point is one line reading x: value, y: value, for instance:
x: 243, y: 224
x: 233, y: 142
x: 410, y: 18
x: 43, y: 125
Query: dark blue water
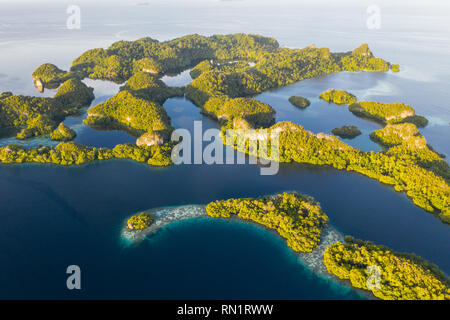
x: 53, y: 216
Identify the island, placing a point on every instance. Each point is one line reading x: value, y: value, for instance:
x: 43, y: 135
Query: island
x: 147, y: 86
x: 145, y: 223
x: 395, y: 67
x: 401, y: 276
x: 405, y: 143
x: 346, y: 132
x: 224, y: 66
x: 337, y: 96
x: 140, y: 221
x: 397, y: 134
x: 26, y: 116
x: 228, y: 70
x: 387, y: 113
x: 128, y: 112
x: 374, y: 270
x: 50, y: 76
x: 427, y: 189
x: 138, y: 226
x: 63, y: 133
x: 69, y: 153
x: 295, y: 217
x: 275, y: 67
x: 299, y: 102
x: 254, y: 112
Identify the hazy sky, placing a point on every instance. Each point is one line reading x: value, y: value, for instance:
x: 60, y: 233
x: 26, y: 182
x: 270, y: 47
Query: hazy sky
x: 253, y: 2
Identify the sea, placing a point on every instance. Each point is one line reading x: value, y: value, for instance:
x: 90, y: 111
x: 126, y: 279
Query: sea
x: 54, y: 216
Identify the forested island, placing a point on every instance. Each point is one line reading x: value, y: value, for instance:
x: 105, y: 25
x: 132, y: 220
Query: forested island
x: 50, y: 76
x: 295, y: 217
x: 140, y: 221
x: 401, y: 276
x: 254, y: 112
x: 387, y: 113
x: 347, y: 132
x: 63, y: 133
x: 26, y: 116
x: 299, y: 220
x: 404, y: 141
x: 395, y: 67
x: 338, y: 96
x: 427, y: 187
x: 126, y: 110
x: 69, y: 153
x: 228, y: 71
x: 300, y: 102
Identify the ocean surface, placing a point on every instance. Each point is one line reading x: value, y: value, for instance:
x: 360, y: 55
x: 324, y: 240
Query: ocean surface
x: 54, y: 216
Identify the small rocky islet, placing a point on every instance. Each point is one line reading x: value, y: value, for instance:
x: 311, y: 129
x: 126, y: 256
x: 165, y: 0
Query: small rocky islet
x: 239, y: 67
x: 347, y: 132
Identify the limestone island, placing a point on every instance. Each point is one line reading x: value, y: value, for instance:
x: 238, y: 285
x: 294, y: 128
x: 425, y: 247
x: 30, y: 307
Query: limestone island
x: 137, y: 226
x: 387, y: 113
x: 346, y: 132
x: 425, y: 183
x: 126, y: 111
x: 145, y: 223
x: 299, y: 102
x: 337, y: 96
x: 50, y: 76
x: 405, y: 142
x: 395, y: 67
x: 69, y: 153
x: 26, y: 116
x: 229, y: 70
x: 300, y: 221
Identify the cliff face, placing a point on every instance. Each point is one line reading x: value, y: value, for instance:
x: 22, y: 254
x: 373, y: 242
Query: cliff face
x: 363, y: 50
x: 39, y: 85
x: 152, y: 138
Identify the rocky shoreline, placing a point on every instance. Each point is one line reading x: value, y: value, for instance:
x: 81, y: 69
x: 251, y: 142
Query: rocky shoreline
x: 164, y: 216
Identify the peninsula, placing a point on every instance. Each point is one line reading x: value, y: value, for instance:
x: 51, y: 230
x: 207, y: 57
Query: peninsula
x: 387, y: 113
x: 300, y: 102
